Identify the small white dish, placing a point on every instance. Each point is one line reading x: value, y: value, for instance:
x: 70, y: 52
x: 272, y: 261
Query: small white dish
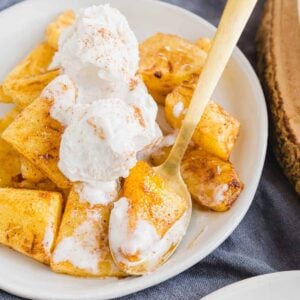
x: 239, y: 92
x: 275, y: 286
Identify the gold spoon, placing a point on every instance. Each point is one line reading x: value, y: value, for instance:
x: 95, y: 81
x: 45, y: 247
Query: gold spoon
x: 233, y: 21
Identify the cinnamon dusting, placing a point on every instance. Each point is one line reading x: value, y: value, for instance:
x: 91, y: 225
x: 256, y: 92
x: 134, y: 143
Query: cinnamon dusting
x: 139, y: 116
x: 99, y: 131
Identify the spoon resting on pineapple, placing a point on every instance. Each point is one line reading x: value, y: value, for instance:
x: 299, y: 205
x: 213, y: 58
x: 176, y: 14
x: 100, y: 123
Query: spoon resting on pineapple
x: 150, y: 219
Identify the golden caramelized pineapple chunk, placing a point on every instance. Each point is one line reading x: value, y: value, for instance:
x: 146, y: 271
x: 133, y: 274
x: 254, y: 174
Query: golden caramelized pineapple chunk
x: 30, y: 172
x: 151, y: 200
x: 217, y: 130
x: 158, y: 96
x: 56, y: 27
x: 82, y: 245
x: 212, y: 182
x: 9, y: 158
x: 35, y: 63
x: 178, y: 101
x: 27, y: 80
x: 166, y: 60
x: 204, y: 44
x: 25, y: 90
x: 29, y: 221
x: 32, y: 178
x: 3, y: 97
x: 36, y: 136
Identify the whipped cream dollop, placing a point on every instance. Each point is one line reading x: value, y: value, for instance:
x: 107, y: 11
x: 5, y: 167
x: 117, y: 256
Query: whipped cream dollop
x: 104, y: 106
x: 142, y: 242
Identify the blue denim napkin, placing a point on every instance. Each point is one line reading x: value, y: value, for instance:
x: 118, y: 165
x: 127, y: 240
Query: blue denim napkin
x: 268, y: 238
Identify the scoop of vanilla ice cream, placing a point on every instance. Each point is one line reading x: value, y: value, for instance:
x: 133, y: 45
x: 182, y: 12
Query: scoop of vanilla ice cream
x: 99, y: 52
x: 102, y: 145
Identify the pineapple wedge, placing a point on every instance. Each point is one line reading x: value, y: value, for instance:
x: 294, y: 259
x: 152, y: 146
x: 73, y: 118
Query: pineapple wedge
x: 27, y: 80
x: 24, y: 91
x: 29, y: 221
x: 30, y: 172
x: 82, y: 245
x: 55, y: 28
x: 9, y: 158
x: 212, y: 182
x: 3, y: 97
x: 32, y: 178
x: 36, y: 136
x: 217, y: 130
x: 166, y: 60
x: 144, y: 188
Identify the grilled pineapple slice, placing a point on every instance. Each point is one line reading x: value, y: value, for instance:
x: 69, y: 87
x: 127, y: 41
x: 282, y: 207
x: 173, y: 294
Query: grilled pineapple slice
x: 82, y: 245
x: 9, y: 158
x: 212, y: 182
x: 26, y: 81
x: 56, y: 27
x: 217, y: 130
x: 3, y: 97
x: 36, y: 136
x: 29, y: 221
x: 167, y: 60
x: 30, y: 172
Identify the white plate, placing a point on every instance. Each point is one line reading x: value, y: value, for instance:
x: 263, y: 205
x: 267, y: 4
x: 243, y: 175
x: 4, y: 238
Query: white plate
x: 239, y: 91
x: 275, y: 286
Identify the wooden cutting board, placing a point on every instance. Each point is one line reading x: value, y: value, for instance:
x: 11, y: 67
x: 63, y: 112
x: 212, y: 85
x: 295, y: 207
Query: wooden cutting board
x: 278, y: 42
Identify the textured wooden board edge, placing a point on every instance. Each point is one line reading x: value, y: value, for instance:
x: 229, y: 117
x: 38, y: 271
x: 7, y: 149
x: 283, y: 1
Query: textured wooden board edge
x: 284, y: 134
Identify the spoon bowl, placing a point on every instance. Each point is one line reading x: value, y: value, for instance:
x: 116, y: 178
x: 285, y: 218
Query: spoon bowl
x: 148, y: 222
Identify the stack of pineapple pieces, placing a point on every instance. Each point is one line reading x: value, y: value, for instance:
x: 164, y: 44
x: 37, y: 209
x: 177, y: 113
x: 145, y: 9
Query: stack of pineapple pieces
x: 170, y: 67
x: 34, y: 219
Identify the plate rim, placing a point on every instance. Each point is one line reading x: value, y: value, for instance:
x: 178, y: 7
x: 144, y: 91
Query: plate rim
x: 193, y: 259
x: 254, y: 279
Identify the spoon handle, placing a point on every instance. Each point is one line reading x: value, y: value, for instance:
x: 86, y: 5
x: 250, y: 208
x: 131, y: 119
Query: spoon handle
x: 232, y: 23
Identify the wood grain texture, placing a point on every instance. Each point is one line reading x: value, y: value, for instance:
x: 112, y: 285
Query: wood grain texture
x: 278, y: 43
